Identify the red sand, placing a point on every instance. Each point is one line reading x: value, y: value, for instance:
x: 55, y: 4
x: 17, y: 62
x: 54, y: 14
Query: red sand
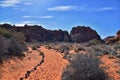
x: 112, y: 66
x: 15, y: 69
x: 52, y: 67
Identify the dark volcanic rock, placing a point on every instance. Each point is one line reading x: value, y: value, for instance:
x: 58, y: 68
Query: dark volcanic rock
x: 83, y: 34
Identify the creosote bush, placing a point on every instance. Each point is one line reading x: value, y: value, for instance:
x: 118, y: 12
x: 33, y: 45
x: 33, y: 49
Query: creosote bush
x: 84, y: 67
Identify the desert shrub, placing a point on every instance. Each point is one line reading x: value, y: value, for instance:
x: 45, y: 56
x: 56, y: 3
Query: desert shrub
x: 96, y: 50
x: 10, y: 45
x: 117, y: 55
x: 103, y: 49
x: 116, y: 47
x: 34, y: 47
x: 109, y: 50
x: 94, y: 42
x: 52, y: 46
x: 80, y: 48
x: 5, y: 33
x: 48, y: 47
x: 19, y: 36
x: 63, y: 48
x: 84, y: 67
x: 16, y: 47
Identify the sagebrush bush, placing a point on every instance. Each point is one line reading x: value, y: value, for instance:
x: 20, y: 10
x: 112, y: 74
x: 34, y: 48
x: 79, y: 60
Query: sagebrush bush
x: 84, y: 67
x: 11, y: 44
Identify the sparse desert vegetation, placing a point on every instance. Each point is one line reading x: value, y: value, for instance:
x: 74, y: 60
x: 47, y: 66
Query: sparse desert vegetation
x: 96, y: 53
x: 59, y: 39
x: 11, y: 44
x: 84, y: 67
x: 91, y: 60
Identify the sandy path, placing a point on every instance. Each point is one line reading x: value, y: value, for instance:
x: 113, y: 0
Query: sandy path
x: 52, y: 67
x: 15, y: 69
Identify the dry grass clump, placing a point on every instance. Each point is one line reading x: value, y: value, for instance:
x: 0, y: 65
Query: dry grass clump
x: 84, y: 67
x: 12, y: 44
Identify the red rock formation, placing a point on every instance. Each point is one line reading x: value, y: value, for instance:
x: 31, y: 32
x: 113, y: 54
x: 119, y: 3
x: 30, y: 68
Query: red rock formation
x: 7, y: 26
x: 108, y: 38
x: 118, y: 36
x: 113, y: 39
x: 39, y: 34
x: 83, y: 34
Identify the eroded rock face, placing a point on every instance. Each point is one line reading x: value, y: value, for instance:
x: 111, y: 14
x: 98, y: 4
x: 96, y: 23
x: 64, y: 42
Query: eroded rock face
x: 113, y: 39
x: 118, y: 36
x: 83, y: 34
x: 39, y: 34
x: 7, y: 26
x: 109, y: 38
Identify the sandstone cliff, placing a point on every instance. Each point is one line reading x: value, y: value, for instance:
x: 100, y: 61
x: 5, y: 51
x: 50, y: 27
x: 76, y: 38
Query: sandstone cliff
x: 83, y: 34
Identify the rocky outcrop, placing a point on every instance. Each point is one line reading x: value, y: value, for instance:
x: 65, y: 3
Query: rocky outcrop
x: 113, y: 39
x: 108, y: 38
x: 118, y: 36
x: 83, y: 34
x: 39, y: 34
x: 6, y: 26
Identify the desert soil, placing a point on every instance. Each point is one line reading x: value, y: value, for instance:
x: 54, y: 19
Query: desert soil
x: 111, y: 66
x: 51, y: 68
